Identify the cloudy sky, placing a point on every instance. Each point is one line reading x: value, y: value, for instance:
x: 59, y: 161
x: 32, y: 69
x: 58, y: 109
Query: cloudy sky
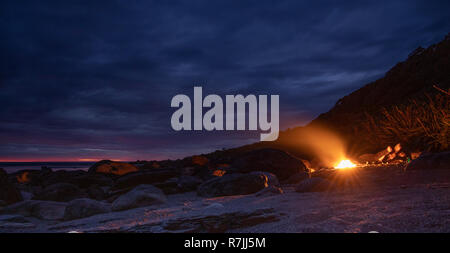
x: 94, y: 79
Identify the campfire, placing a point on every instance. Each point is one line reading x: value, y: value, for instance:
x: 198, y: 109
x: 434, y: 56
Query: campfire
x: 345, y: 164
x: 387, y: 156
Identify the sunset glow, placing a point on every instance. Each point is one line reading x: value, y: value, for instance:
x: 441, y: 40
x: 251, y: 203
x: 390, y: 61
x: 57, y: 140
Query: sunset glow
x: 62, y: 159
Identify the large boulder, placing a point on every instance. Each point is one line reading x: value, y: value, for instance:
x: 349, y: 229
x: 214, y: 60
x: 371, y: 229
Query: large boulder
x: 315, y: 184
x: 91, y: 180
x: 430, y: 161
x: 144, y: 177
x: 188, y: 183
x: 142, y: 195
x: 199, y: 160
x: 297, y: 177
x: 216, y: 219
x: 169, y: 186
x: 274, y: 161
x: 62, y: 192
x: 8, y: 192
x: 45, y: 177
x: 26, y: 195
x: 96, y: 192
x: 233, y: 184
x: 270, y: 191
x: 45, y: 210
x: 16, y: 218
x: 110, y: 167
x: 49, y: 210
x: 271, y: 178
x: 191, y: 161
x: 80, y: 208
x: 79, y: 178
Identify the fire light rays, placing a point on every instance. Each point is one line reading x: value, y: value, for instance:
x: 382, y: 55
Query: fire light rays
x: 345, y: 164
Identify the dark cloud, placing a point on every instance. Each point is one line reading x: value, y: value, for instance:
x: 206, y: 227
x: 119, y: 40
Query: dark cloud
x: 82, y: 79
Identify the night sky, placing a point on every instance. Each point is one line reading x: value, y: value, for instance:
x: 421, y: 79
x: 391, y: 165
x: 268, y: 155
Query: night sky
x: 94, y: 79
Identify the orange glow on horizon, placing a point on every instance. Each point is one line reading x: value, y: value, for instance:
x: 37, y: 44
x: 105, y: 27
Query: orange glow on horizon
x: 61, y: 159
x: 142, y: 157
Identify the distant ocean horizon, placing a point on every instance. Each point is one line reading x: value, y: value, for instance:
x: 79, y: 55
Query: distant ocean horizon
x: 11, y: 167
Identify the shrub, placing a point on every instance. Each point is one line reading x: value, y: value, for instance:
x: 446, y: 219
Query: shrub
x: 420, y: 124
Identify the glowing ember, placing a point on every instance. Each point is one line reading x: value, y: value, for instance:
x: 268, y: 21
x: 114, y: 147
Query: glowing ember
x: 345, y: 164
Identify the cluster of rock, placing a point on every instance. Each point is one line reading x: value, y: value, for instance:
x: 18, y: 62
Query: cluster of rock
x: 114, y: 186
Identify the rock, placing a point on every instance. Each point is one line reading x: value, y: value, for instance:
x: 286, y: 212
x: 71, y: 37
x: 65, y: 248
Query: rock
x: 210, y: 222
x: 214, y: 206
x: 8, y: 192
x: 91, y: 180
x: 233, y: 184
x: 80, y: 208
x: 23, y: 178
x: 95, y: 192
x: 142, y: 195
x: 169, y: 186
x: 297, y: 177
x: 144, y: 177
x: 206, y: 173
x: 188, y: 171
x: 60, y: 192
x: 114, y: 194
x: 110, y: 167
x: 271, y: 190
x: 315, y: 184
x: 148, y: 165
x: 26, y: 195
x: 79, y: 178
x: 13, y: 218
x: 430, y: 161
x: 188, y: 183
x: 199, y: 160
x: 218, y: 173
x: 16, y: 226
x: 46, y: 210
x: 271, y: 178
x: 274, y: 161
x: 49, y: 210
x: 44, y: 179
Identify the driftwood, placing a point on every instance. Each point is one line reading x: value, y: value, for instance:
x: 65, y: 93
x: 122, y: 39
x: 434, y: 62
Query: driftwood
x: 388, y: 154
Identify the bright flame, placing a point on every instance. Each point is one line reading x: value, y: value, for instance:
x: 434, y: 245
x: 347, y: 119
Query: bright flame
x: 345, y: 164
